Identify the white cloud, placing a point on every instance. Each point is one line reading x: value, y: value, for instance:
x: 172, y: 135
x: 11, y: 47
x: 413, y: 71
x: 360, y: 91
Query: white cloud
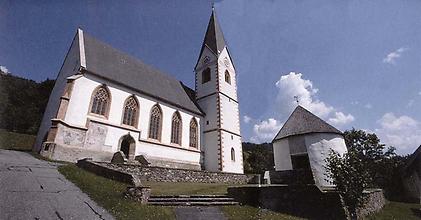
x: 402, y: 132
x: 355, y: 102
x: 368, y: 106
x: 4, y: 69
x: 419, y: 93
x: 294, y: 85
x: 265, y: 131
x: 341, y: 119
x: 246, y: 119
x: 393, y: 56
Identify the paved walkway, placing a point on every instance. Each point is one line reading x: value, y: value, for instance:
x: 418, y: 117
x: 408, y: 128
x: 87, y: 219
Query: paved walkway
x: 199, y: 213
x: 34, y: 189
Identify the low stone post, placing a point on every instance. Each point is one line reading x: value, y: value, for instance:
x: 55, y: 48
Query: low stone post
x: 137, y: 191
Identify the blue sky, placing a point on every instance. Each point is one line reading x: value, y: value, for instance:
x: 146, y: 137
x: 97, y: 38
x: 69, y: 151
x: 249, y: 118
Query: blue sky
x: 353, y: 63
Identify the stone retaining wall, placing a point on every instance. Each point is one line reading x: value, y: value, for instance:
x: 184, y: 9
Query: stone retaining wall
x: 103, y: 171
x: 303, y: 201
x: 160, y: 174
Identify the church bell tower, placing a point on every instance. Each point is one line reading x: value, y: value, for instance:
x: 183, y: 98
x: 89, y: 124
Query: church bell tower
x: 216, y: 94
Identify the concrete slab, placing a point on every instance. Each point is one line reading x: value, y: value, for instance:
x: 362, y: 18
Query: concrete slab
x: 199, y: 213
x: 34, y: 189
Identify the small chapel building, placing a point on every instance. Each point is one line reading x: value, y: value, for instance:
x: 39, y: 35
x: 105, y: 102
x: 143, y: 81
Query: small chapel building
x: 105, y: 101
x: 302, y: 145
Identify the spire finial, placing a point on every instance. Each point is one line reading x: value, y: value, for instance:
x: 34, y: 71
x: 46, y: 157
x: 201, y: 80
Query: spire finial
x: 213, y: 6
x: 297, y: 99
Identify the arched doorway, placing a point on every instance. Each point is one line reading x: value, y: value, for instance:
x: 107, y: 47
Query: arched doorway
x: 127, y: 146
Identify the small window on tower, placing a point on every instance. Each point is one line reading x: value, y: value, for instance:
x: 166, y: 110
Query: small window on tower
x: 227, y: 77
x: 207, y: 122
x: 232, y: 154
x: 206, y: 75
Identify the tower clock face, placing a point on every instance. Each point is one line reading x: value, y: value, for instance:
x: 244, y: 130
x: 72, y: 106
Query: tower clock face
x: 226, y: 62
x: 206, y: 59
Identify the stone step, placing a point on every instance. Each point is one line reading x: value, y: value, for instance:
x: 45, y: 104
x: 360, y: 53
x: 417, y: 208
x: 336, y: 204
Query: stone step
x: 194, y: 199
x: 189, y: 196
x: 193, y: 203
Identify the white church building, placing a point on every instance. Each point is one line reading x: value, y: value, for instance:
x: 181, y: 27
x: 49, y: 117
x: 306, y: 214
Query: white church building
x: 105, y: 101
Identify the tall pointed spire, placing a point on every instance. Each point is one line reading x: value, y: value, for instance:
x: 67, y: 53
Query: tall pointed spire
x: 214, y: 38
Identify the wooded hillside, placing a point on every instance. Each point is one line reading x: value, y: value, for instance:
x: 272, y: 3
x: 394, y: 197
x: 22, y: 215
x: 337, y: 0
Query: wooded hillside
x: 22, y: 103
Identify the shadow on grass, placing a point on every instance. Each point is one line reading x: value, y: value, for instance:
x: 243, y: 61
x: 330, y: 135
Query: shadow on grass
x: 417, y: 212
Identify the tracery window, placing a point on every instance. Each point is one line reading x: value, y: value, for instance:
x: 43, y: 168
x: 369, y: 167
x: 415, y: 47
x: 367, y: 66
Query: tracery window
x: 232, y: 154
x: 176, y: 129
x: 227, y: 77
x: 100, y: 101
x: 155, y: 123
x: 206, y: 75
x: 130, y: 112
x: 193, y: 133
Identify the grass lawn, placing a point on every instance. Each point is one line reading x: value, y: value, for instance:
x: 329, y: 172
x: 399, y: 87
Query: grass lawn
x: 109, y: 194
x: 16, y: 141
x: 399, y: 210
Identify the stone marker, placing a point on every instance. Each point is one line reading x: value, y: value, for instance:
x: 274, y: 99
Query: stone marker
x: 142, y: 160
x: 136, y: 181
x: 139, y: 194
x: 119, y: 158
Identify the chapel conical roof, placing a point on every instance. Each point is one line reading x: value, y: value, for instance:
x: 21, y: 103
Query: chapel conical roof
x: 302, y: 121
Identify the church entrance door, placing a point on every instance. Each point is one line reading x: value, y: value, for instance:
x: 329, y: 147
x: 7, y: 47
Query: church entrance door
x: 128, y: 145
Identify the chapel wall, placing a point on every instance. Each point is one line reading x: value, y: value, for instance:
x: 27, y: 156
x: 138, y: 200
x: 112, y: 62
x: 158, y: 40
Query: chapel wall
x: 318, y: 149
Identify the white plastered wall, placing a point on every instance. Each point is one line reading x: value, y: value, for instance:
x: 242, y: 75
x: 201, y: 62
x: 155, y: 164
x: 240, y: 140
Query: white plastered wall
x: 229, y: 114
x: 232, y: 141
x: 224, y: 87
x: 318, y: 148
x: 210, y: 141
x: 210, y: 86
x: 281, y: 155
x: 78, y: 114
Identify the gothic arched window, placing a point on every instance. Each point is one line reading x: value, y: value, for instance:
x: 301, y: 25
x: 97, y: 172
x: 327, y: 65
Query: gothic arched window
x: 193, y: 133
x: 227, y: 77
x: 155, y: 123
x: 130, y: 111
x: 176, y: 128
x: 232, y: 154
x: 206, y: 75
x: 100, y: 101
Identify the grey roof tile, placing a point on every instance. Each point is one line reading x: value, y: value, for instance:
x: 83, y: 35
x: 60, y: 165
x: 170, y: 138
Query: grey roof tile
x: 301, y: 121
x: 109, y: 63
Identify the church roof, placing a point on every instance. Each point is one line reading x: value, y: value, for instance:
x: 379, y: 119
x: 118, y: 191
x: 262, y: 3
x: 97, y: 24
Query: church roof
x: 109, y: 63
x: 414, y: 161
x: 214, y: 37
x: 301, y: 121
